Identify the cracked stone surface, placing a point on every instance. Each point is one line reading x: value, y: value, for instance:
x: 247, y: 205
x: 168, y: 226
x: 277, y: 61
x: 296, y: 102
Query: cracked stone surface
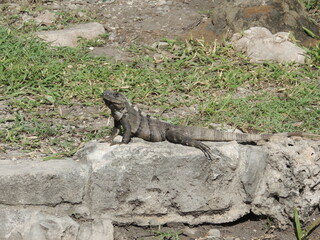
x: 41, y: 182
x: 145, y: 184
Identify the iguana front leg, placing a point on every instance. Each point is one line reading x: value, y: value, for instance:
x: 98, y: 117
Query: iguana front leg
x: 115, y: 131
x: 126, y: 130
x: 176, y: 137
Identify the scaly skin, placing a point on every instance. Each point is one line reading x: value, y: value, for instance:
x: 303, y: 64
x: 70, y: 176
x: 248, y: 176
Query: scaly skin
x: 137, y: 124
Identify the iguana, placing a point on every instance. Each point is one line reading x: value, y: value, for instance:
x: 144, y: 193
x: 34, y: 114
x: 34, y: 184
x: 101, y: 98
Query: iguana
x: 136, y: 124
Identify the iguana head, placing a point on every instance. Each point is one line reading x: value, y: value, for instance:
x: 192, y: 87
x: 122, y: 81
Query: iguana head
x: 114, y: 100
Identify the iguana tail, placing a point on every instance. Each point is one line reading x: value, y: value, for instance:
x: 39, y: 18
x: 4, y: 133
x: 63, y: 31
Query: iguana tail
x: 205, y: 134
x: 306, y: 135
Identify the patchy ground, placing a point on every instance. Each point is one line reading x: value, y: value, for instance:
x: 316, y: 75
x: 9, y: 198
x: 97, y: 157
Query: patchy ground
x: 247, y: 228
x: 148, y: 21
x: 127, y: 22
x: 254, y: 229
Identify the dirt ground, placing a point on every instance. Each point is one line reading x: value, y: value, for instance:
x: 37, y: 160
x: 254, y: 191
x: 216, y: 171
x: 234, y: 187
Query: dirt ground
x: 145, y: 22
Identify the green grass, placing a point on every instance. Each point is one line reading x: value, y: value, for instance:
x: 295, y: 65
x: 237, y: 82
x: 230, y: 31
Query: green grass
x: 303, y: 233
x: 36, y: 79
x: 165, y: 235
x: 311, y: 4
x: 34, y: 128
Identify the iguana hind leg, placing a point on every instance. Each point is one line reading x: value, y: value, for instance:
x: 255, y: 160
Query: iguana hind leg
x: 176, y: 137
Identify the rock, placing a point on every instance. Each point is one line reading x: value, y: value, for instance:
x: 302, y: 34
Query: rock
x: 112, y: 37
x: 253, y: 171
x: 192, y: 233
x: 152, y: 183
x: 146, y: 183
x: 160, y: 45
x: 26, y: 17
x: 46, y: 18
x: 260, y: 46
x: 291, y: 183
x: 33, y: 225
x: 69, y: 37
x: 142, y: 181
x: 110, y: 180
x: 214, y: 234
x: 41, y: 183
x: 230, y: 17
x: 99, y: 229
x: 161, y: 2
x: 80, y: 212
x: 200, y: 29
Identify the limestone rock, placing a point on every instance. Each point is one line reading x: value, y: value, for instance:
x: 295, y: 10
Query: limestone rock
x: 145, y: 184
x: 33, y: 225
x: 214, y: 234
x: 230, y: 17
x: 46, y: 18
x: 192, y: 233
x: 99, y: 229
x: 291, y: 179
x: 41, y: 183
x: 69, y: 37
x: 148, y: 183
x: 140, y: 181
x: 260, y: 46
x: 253, y: 171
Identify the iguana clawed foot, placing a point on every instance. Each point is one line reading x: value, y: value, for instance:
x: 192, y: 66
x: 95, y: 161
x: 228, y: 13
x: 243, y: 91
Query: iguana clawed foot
x: 116, y: 143
x: 206, y: 150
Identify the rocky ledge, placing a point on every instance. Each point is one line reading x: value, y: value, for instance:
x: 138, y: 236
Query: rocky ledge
x: 146, y: 184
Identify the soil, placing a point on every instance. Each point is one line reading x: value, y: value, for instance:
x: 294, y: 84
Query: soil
x: 247, y: 229
x: 142, y: 22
